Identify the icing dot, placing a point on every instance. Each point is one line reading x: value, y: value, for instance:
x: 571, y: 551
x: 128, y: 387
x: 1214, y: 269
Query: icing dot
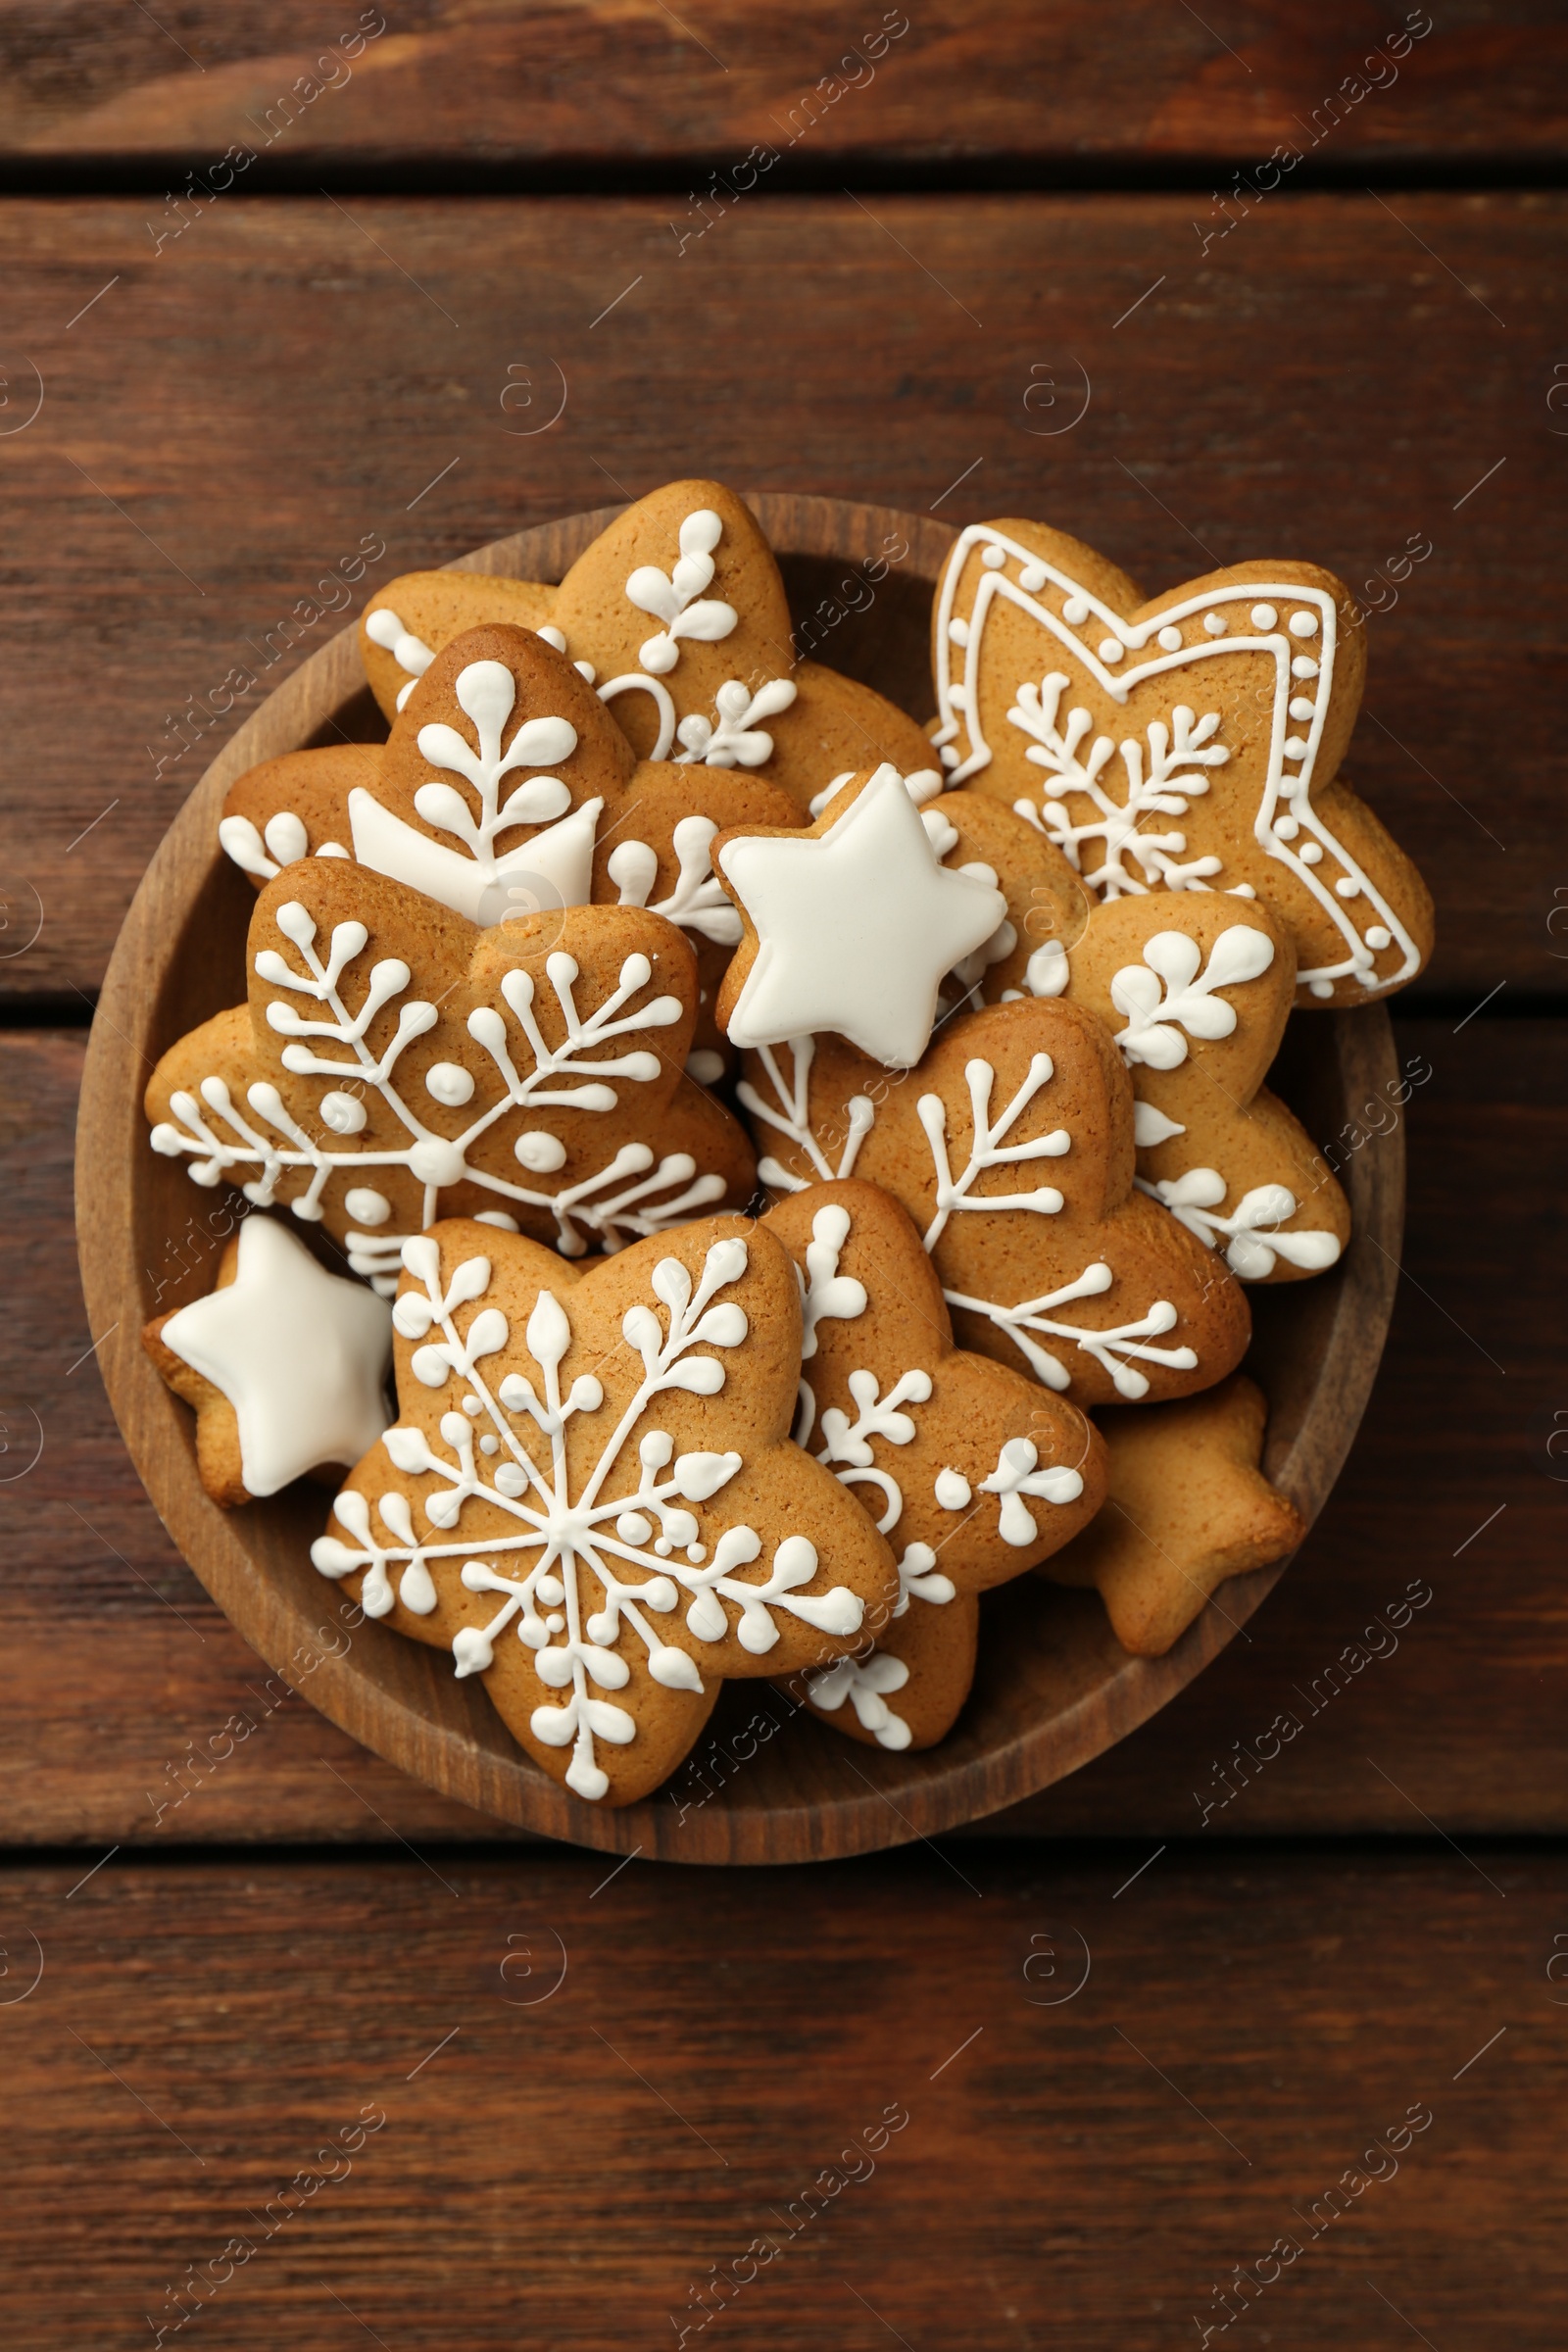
x: 1321, y: 987
x: 1301, y: 709
x: 1377, y: 937
x: 512, y: 1479
x: 1111, y: 649
x: 952, y: 1489
x: 1170, y: 639
x: 704, y: 1065
x: 993, y: 558
x: 344, y: 1114
x: 1263, y: 617
x: 959, y: 631
x: 497, y: 1217
x: 1214, y: 623
x: 1311, y: 852
x: 449, y: 1082
x: 552, y: 637
x: 632, y: 1528
x: 435, y: 1160
x: 697, y: 1553
x: 1288, y: 828
x: 1295, y: 747
x: 1032, y: 577
x: 489, y: 1445
x: 585, y: 670
x: 1348, y: 887
x: 555, y: 1623
x: 1304, y: 625
x: 1303, y: 666
x: 472, y: 1407
x: 366, y: 1207
x: 540, y: 1153
x: 1076, y: 610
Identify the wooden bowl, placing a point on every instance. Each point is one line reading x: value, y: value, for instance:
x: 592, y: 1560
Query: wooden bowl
x: 1054, y: 1688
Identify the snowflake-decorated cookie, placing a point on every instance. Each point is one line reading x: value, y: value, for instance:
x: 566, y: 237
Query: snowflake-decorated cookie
x: 1010, y: 1145
x: 286, y: 1364
x: 972, y: 1471
x: 1188, y: 1509
x: 591, y: 1497
x: 1196, y: 987
x: 1188, y: 742
x: 395, y: 1066
x: 676, y: 615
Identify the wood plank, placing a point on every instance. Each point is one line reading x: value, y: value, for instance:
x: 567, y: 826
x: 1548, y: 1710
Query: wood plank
x: 307, y: 85
x: 516, y: 2117
x: 223, y: 424
x: 1451, y: 1482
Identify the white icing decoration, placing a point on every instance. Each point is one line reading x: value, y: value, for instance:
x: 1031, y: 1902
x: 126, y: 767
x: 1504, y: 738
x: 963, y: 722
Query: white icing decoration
x: 732, y: 737
x: 1151, y: 1127
x: 1168, y: 997
x: 699, y: 901
x: 856, y: 927
x: 1253, y: 1236
x: 675, y: 597
x: 877, y: 1416
x: 485, y: 892
x: 613, y: 1203
x: 865, y: 1684
x: 828, y: 1294
x: 301, y: 1354
x: 589, y: 1538
x: 952, y: 1489
x: 345, y: 1114
x: 1015, y: 1476
x: 704, y: 1065
x: 985, y: 1149
x: 789, y: 1115
x: 1213, y: 603
x: 1176, y: 754
x: 409, y: 653
x: 1117, y: 1351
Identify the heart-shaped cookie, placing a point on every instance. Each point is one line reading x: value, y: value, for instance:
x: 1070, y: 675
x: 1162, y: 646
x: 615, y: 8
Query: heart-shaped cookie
x: 590, y: 1495
x: 1188, y: 742
x: 395, y: 1064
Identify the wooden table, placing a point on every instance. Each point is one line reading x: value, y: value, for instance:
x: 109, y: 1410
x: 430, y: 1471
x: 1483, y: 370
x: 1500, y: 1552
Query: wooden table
x: 986, y: 272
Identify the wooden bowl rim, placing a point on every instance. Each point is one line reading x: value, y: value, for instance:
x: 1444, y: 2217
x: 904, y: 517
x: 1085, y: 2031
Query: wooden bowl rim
x: 888, y: 1799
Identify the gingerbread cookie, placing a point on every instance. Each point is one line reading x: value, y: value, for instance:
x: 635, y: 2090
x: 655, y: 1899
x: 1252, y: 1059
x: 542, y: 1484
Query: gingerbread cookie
x: 1192, y: 742
x: 286, y: 1364
x: 395, y: 1066
x: 1094, y: 1286
x: 591, y: 1497
x: 1189, y: 1507
x: 971, y: 1470
x: 1196, y: 989
x: 677, y: 616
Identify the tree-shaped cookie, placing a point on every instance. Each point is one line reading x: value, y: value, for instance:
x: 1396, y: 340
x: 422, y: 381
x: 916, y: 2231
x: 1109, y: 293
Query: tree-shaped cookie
x: 971, y: 1470
x: 1196, y: 989
x: 1010, y: 1146
x: 394, y: 1065
x: 1189, y: 742
x: 507, y: 789
x: 590, y: 1494
x: 676, y: 615
x: 1188, y: 1509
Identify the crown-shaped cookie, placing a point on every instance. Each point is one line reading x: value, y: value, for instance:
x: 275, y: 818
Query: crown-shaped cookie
x: 676, y: 615
x: 972, y: 1471
x: 1196, y: 987
x: 590, y: 1495
x: 395, y: 1066
x: 1188, y: 742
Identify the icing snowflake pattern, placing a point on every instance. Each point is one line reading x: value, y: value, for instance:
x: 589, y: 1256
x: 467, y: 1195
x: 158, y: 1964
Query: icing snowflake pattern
x: 1167, y: 993
x: 1173, y: 777
x: 635, y: 1192
x: 578, y: 1563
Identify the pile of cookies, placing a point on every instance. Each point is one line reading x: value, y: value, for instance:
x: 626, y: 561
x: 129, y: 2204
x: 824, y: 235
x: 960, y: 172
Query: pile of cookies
x: 802, y: 1169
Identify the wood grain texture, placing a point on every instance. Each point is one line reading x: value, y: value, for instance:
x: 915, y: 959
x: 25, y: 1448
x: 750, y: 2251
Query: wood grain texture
x: 1052, y: 1687
x: 496, y: 81
x: 1466, y: 1716
x: 577, y: 2102
x: 229, y: 421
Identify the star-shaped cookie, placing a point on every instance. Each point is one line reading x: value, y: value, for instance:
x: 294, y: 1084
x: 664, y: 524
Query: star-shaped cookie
x: 591, y: 1497
x: 1189, y: 742
x: 1188, y: 1509
x: 286, y: 1364
x: 849, y: 926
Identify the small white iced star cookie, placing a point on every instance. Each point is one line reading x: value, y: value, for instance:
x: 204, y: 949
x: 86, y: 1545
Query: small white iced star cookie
x: 286, y: 1364
x: 850, y: 925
